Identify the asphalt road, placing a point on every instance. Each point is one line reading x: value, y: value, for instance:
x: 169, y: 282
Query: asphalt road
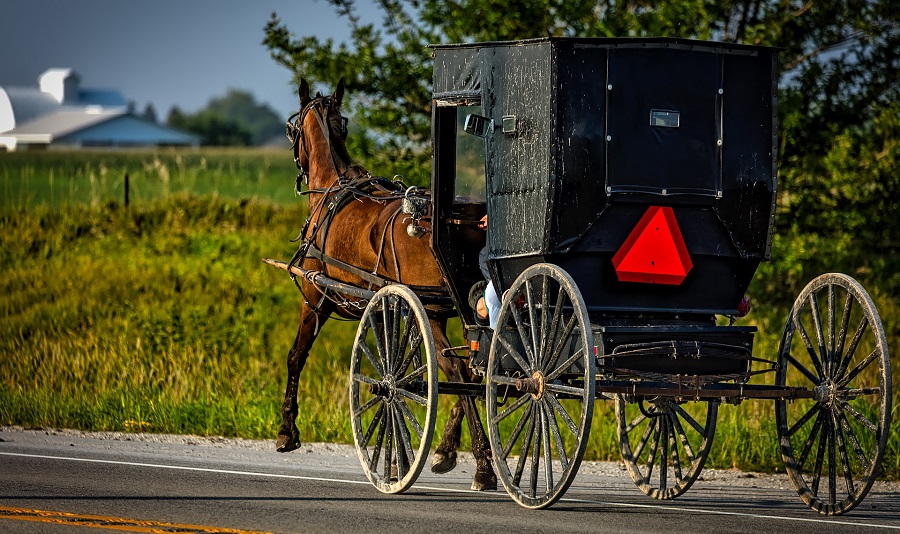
x: 63, y: 481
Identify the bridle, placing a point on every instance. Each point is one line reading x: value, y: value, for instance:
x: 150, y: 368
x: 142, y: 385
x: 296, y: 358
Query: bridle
x: 320, y: 106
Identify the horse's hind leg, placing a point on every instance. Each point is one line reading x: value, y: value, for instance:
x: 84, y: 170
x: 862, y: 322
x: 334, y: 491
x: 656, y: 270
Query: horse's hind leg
x: 288, y: 435
x: 445, y: 455
x: 444, y: 459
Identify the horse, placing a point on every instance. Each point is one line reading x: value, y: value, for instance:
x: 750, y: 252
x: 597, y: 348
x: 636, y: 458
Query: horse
x: 318, y: 135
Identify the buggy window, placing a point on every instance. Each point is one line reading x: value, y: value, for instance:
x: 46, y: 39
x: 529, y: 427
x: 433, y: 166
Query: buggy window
x: 469, y: 181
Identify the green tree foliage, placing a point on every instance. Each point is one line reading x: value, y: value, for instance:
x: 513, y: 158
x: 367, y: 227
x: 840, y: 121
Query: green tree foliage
x: 235, y: 119
x: 213, y: 129
x: 259, y: 119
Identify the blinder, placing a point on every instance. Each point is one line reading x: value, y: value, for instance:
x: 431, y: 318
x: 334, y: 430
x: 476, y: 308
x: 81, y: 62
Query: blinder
x: 294, y: 131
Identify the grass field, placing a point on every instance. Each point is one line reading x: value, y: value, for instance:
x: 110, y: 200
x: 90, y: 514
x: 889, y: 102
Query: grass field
x: 161, y: 317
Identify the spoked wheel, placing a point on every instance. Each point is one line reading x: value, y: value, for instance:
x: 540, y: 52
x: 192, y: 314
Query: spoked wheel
x: 393, y: 389
x: 665, y: 443
x: 540, y: 386
x: 834, y: 344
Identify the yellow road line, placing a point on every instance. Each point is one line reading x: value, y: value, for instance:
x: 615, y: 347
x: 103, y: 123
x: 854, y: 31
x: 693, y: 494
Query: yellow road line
x: 115, y: 523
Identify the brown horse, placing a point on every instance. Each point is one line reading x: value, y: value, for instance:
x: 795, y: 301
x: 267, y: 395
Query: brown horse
x: 365, y: 233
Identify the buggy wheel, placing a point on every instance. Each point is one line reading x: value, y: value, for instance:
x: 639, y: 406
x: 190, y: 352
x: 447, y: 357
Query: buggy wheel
x: 540, y: 386
x: 834, y: 344
x: 393, y: 389
x: 664, y: 445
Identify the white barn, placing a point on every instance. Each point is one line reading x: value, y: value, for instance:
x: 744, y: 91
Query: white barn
x: 61, y: 114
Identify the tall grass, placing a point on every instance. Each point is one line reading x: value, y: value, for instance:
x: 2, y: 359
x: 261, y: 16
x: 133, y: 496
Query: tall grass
x: 161, y: 318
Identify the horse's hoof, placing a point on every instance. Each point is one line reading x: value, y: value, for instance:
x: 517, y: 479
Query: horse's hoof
x: 485, y: 480
x: 444, y: 462
x: 287, y: 443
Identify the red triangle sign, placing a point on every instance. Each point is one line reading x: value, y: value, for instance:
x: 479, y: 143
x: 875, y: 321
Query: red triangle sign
x: 654, y: 252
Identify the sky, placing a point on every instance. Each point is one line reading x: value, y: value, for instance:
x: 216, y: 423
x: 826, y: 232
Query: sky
x: 165, y: 52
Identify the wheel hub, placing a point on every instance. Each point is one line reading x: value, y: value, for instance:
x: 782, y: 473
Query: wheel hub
x: 385, y: 388
x: 533, y: 385
x: 827, y: 393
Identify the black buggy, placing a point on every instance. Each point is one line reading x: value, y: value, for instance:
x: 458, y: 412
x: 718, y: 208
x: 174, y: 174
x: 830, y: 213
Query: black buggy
x: 630, y: 187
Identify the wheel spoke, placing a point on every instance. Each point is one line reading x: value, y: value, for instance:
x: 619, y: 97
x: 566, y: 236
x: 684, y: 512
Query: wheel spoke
x: 820, y: 333
x: 405, y: 439
x: 554, y: 326
x: 832, y: 468
x: 394, y: 356
x: 664, y: 457
x: 372, y: 359
x: 691, y: 421
x: 654, y: 446
x: 526, y: 446
x: 544, y: 325
x: 807, y: 447
x: 831, y: 355
x: 529, y: 301
x: 388, y: 443
x: 511, y: 350
x: 563, y: 413
x: 548, y: 458
x: 803, y: 420
x: 372, y: 426
x: 365, y: 379
x: 579, y: 354
x: 806, y: 372
x: 807, y: 342
x: 645, y: 437
x: 857, y: 448
x: 536, y: 454
x: 842, y: 336
x: 637, y: 420
x: 685, y: 443
x: 365, y: 407
x: 415, y: 348
x: 845, y: 460
x: 510, y: 409
x: 379, y: 441
x: 854, y: 343
x: 560, y: 344
x: 523, y: 336
x: 386, y: 335
x: 673, y: 448
x: 557, y: 437
x: 560, y: 389
x: 407, y: 413
x: 820, y: 456
x: 412, y: 396
x: 517, y: 431
x: 860, y: 367
x: 408, y: 379
x: 859, y: 417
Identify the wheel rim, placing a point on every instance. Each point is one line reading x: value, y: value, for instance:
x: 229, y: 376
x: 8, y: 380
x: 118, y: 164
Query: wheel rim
x: 834, y: 344
x: 540, y: 386
x: 665, y: 443
x: 393, y: 389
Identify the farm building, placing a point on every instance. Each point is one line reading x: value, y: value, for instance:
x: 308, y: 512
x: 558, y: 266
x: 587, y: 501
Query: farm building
x: 59, y: 113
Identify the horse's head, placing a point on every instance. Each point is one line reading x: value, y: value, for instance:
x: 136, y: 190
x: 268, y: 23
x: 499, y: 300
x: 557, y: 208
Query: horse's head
x: 318, y: 133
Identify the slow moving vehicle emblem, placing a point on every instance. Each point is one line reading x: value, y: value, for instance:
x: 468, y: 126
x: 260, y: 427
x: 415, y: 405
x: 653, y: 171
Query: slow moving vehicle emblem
x: 654, y: 252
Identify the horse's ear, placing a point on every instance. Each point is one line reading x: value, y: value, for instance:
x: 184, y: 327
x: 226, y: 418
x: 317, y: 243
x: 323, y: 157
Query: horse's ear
x: 304, y: 93
x: 339, y: 93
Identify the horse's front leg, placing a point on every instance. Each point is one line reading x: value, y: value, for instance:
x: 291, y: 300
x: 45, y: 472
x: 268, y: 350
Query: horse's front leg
x: 445, y: 455
x: 288, y: 435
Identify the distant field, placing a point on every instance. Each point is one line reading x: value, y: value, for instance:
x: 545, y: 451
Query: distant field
x: 94, y: 177
x: 161, y: 317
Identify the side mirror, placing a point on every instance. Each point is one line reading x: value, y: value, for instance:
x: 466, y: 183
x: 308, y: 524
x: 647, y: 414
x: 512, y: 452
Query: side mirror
x: 478, y: 125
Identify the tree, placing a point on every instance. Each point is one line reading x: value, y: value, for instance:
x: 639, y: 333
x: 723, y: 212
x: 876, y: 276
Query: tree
x: 840, y: 62
x: 213, y: 129
x: 231, y: 120
x: 149, y: 113
x: 241, y: 107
